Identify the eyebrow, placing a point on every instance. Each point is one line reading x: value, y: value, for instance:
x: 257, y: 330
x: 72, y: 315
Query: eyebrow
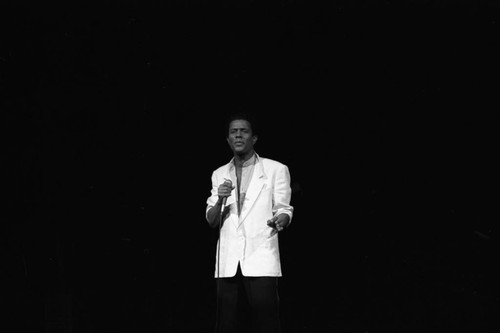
x: 239, y: 128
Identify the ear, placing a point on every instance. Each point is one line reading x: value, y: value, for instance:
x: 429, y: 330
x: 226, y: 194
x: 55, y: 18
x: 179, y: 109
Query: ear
x: 254, y: 139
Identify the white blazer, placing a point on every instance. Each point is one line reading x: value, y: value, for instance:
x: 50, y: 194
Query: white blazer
x: 247, y: 239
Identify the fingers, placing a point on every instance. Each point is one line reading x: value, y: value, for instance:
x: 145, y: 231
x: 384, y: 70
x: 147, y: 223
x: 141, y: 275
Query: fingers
x: 275, y: 224
x: 272, y: 222
x: 228, y: 183
x: 225, y: 189
x: 276, y: 229
x: 227, y: 186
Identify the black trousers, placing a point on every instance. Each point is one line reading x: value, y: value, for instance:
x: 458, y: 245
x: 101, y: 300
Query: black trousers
x: 261, y: 297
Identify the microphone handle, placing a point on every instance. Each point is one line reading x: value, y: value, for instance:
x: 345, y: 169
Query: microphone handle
x: 223, y: 205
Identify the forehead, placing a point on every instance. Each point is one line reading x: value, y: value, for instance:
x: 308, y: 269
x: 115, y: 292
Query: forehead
x: 239, y: 123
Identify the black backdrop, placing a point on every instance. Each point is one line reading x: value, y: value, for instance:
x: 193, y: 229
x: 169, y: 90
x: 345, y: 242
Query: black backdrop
x: 112, y: 122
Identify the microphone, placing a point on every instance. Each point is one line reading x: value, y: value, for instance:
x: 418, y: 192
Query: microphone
x: 230, y: 183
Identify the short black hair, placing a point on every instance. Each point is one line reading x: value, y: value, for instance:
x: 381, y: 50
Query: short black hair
x: 243, y: 115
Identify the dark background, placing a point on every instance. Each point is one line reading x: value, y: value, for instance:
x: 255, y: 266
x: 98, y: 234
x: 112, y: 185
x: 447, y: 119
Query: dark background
x: 112, y: 122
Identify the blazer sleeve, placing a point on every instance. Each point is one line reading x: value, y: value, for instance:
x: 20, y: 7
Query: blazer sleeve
x: 212, y: 199
x: 282, y: 194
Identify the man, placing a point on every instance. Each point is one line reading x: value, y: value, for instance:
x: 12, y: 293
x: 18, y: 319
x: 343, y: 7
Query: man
x: 250, y: 204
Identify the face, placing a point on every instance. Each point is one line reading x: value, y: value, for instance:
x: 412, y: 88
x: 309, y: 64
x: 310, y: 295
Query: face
x: 240, y: 137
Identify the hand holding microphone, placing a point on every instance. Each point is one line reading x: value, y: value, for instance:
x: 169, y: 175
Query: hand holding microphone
x: 224, y: 191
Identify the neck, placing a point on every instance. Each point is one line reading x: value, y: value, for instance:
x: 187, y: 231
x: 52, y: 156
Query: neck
x: 240, y: 159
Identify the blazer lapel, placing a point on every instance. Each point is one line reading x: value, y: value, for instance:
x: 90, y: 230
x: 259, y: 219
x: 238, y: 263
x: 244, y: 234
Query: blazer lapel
x: 253, y: 191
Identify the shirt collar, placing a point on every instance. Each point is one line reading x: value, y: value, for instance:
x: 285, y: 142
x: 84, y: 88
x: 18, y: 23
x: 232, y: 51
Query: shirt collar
x: 251, y: 161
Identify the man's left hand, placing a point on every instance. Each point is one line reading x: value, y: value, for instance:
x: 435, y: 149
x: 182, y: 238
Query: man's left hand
x: 278, y: 223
